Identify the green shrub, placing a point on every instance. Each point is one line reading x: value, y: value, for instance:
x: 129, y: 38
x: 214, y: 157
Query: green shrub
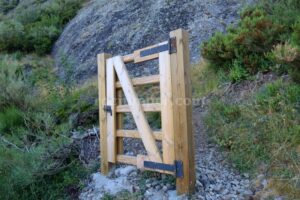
x: 13, y: 90
x: 249, y: 44
x: 11, y: 35
x: 36, y: 26
x: 41, y: 35
x: 237, y: 73
x: 10, y: 119
x: 288, y: 58
x: 37, y: 160
x: 7, y: 5
x: 296, y: 33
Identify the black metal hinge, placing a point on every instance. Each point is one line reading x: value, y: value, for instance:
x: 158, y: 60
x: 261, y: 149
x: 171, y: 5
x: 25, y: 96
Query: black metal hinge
x: 107, y: 109
x: 170, y: 46
x: 177, y: 168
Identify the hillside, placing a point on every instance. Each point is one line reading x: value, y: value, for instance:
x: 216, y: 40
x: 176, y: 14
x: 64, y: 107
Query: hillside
x: 245, y: 59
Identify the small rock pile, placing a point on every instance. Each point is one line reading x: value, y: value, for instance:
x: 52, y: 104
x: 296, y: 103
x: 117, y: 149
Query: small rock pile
x: 130, y: 179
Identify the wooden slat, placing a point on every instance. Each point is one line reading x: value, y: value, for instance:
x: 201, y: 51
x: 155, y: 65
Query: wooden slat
x: 183, y: 133
x: 128, y: 58
x: 166, y: 108
x: 135, y: 134
x: 137, y: 111
x: 101, y: 59
x: 138, y: 58
x: 120, y: 147
x: 142, y: 81
x: 152, y: 107
x: 131, y: 160
x: 111, y: 118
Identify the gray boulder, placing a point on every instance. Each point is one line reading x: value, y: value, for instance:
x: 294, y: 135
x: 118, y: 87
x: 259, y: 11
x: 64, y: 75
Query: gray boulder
x: 121, y: 26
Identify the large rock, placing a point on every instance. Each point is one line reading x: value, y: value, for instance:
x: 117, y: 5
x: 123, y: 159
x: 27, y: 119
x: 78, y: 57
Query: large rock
x: 121, y: 26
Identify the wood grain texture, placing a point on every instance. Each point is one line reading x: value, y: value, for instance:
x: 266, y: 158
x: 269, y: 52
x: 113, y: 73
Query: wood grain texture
x: 143, y: 80
x: 183, y: 133
x: 131, y: 160
x: 166, y: 107
x: 151, y: 107
x: 101, y: 60
x: 111, y: 117
x: 135, y: 134
x: 137, y: 110
x: 120, y: 145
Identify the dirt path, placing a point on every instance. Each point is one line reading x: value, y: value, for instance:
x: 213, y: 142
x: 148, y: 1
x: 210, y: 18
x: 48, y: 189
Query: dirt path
x: 215, y: 179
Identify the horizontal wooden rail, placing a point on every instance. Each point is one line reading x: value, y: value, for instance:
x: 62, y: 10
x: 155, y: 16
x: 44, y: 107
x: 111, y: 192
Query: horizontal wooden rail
x: 142, y: 81
x: 136, y: 56
x: 152, y: 107
x: 128, y: 58
x: 131, y: 160
x: 135, y: 134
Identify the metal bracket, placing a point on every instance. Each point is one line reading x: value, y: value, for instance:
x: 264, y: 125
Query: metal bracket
x: 177, y: 168
x: 170, y: 46
x: 107, y: 109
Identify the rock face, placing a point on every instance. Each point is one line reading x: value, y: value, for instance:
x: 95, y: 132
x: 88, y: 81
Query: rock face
x: 119, y: 27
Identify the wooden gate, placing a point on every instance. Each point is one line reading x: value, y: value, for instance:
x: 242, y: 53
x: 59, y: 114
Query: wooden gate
x: 177, y: 157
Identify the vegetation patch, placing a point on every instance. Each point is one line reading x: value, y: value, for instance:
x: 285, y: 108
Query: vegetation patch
x: 33, y: 26
x: 248, y: 48
x: 262, y: 132
x: 37, y: 159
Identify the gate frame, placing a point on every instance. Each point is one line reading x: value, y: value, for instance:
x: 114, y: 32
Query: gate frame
x: 182, y: 106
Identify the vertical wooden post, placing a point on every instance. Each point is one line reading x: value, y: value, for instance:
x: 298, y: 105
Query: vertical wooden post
x: 101, y: 59
x: 111, y: 116
x: 167, y: 125
x: 182, y: 107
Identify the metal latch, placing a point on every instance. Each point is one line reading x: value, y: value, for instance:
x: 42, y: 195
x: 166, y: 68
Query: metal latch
x: 177, y: 168
x: 170, y: 46
x: 107, y: 109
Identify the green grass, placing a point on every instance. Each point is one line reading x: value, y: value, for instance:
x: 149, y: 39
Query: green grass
x: 204, y: 80
x: 262, y: 131
x: 37, y: 113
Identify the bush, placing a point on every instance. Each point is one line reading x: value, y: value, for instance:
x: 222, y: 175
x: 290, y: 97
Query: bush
x: 7, y: 5
x: 289, y: 57
x: 41, y: 35
x: 37, y: 159
x: 14, y: 90
x: 261, y: 27
x: 11, y: 35
x: 10, y: 119
x: 35, y: 27
x: 296, y: 34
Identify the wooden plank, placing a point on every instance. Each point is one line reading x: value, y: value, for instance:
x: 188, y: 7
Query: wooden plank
x: 166, y: 108
x: 131, y: 160
x: 138, y: 58
x: 151, y: 107
x: 128, y: 58
x: 137, y: 111
x: 111, y: 117
x: 101, y: 59
x: 120, y: 147
x: 135, y: 134
x: 183, y: 133
x: 142, y: 80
